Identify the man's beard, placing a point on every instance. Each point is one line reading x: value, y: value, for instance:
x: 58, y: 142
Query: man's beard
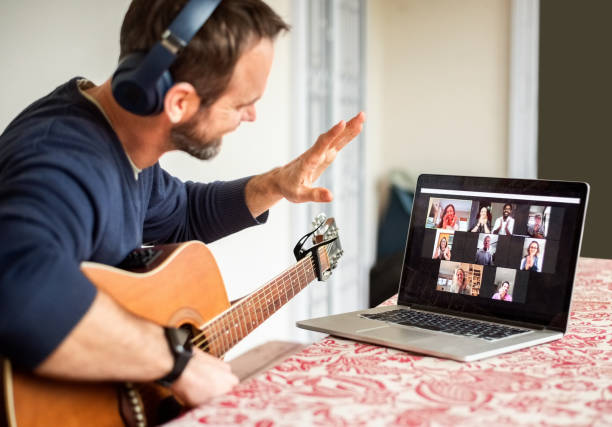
x: 186, y: 138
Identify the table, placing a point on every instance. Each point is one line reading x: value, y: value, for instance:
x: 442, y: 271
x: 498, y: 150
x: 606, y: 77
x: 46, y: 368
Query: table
x: 340, y: 382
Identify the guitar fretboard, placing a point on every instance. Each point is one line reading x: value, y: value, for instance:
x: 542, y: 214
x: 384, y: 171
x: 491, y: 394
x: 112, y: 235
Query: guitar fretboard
x: 223, y: 332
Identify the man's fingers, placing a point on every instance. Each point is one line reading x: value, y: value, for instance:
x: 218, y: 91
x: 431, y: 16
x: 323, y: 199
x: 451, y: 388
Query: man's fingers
x: 320, y: 195
x: 353, y: 128
x: 339, y: 135
x: 324, y: 141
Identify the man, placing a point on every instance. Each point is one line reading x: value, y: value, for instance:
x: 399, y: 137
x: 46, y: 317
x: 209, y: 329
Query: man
x: 537, y: 228
x: 483, y: 256
x: 80, y: 180
x: 504, y: 225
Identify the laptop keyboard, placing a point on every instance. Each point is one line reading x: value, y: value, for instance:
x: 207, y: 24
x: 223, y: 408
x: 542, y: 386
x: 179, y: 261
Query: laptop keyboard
x: 448, y: 324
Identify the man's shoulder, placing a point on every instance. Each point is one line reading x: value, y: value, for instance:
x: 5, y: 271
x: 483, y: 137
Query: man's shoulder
x: 60, y: 126
x: 63, y: 114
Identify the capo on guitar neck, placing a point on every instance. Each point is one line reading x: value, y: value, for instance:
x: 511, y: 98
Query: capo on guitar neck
x: 300, y: 253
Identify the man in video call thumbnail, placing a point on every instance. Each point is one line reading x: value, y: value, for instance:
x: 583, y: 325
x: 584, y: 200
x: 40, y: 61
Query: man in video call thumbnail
x: 537, y: 228
x: 504, y: 225
x: 483, y: 255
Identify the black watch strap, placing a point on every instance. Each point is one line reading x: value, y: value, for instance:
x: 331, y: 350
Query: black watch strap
x: 180, y: 347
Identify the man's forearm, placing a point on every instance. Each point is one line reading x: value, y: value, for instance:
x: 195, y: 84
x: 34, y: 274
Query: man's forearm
x: 110, y: 343
x: 261, y: 192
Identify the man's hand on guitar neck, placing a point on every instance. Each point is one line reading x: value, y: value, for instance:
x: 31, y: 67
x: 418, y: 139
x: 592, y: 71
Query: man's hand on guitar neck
x: 135, y: 350
x: 295, y: 180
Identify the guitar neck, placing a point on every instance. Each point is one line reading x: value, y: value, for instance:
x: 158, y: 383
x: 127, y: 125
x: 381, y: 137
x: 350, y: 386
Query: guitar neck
x: 226, y: 330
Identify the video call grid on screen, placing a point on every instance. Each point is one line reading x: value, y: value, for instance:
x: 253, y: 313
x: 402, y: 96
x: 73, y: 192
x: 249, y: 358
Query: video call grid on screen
x: 495, y: 246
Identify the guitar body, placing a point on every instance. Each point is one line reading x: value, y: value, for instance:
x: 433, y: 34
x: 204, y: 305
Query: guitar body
x: 183, y: 286
x: 173, y: 285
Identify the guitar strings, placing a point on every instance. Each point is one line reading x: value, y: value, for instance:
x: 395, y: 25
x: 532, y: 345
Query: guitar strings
x: 221, y: 328
x: 266, y: 292
x: 226, y: 330
x: 227, y: 334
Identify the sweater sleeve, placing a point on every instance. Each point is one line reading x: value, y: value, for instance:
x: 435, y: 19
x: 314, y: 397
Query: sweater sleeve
x: 46, y: 224
x: 180, y: 211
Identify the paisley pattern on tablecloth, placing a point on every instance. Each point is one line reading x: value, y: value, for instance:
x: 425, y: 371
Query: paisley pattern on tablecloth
x: 338, y: 382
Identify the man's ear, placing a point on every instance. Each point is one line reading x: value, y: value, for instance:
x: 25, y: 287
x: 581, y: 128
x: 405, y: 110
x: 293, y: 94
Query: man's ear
x: 181, y: 102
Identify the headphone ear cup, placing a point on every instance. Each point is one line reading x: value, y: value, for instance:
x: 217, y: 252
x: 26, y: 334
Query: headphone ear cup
x: 162, y: 86
x: 131, y: 94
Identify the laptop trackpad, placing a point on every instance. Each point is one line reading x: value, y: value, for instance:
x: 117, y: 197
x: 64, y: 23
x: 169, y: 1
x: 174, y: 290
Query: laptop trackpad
x: 393, y: 333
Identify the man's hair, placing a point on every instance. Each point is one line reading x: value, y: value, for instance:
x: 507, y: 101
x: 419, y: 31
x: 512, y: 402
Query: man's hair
x: 508, y: 204
x: 209, y: 59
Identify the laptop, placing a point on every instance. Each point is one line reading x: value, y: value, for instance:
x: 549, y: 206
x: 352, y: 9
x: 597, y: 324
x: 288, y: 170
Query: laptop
x: 488, y: 268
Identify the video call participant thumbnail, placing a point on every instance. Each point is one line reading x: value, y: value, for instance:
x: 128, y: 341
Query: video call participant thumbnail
x: 448, y: 214
x: 449, y: 219
x: 534, y: 253
x: 460, y: 283
x: 504, y: 284
x: 482, y: 221
x: 442, y: 250
x: 459, y: 278
x: 504, y: 225
x: 503, y: 292
x: 485, y: 252
x: 535, y: 225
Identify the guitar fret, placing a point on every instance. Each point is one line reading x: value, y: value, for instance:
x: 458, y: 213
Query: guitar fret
x: 213, y: 338
x: 238, y: 324
x: 234, y: 327
x: 227, y: 333
x: 294, y: 278
x: 282, y: 301
x: 287, y: 298
x: 247, y: 317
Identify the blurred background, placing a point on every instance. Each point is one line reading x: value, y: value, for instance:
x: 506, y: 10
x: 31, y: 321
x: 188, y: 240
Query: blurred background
x: 517, y: 88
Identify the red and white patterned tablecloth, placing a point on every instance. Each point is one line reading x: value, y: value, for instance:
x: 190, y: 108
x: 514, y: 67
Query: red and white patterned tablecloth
x: 338, y: 382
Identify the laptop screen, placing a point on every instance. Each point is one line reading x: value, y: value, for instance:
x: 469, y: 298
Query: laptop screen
x: 502, y: 248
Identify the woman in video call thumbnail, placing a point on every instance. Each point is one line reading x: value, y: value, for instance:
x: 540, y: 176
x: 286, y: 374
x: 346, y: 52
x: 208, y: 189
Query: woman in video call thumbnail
x: 530, y: 260
x: 460, y: 283
x: 483, y: 224
x: 449, y: 220
x: 502, y: 292
x: 442, y: 252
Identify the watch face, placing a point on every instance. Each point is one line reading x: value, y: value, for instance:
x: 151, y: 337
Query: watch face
x: 178, y: 339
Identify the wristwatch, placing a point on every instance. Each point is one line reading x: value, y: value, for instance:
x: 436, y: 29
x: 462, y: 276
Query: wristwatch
x: 180, y: 347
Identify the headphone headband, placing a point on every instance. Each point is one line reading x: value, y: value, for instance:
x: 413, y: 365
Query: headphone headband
x: 141, y: 81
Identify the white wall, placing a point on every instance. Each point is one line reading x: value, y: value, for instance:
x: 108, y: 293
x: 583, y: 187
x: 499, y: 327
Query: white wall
x: 45, y: 43
x: 437, y: 86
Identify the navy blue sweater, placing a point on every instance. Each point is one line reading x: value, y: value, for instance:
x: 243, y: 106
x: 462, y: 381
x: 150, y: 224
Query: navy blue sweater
x: 68, y: 194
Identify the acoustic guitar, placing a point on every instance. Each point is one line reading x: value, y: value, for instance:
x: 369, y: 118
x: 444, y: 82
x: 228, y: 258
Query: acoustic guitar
x: 175, y: 285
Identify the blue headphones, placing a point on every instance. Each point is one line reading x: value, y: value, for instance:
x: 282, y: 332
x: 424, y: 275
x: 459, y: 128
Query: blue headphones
x: 142, y: 79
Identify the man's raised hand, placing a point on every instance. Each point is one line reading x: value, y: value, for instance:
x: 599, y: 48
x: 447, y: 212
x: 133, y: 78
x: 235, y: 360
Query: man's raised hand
x: 295, y: 180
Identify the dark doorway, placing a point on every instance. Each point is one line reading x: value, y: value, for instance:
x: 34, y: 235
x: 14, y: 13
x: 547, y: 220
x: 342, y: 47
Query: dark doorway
x: 575, y: 107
